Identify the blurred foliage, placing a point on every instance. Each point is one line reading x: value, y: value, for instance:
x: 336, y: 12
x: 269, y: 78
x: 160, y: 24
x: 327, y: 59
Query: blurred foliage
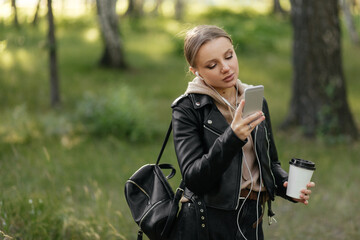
x: 250, y: 36
x: 119, y: 113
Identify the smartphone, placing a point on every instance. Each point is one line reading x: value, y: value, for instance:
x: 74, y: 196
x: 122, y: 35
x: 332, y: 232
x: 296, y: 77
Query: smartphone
x: 253, y: 100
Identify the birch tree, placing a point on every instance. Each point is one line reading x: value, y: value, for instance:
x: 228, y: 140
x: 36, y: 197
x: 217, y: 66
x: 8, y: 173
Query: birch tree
x: 350, y: 25
x: 113, y: 54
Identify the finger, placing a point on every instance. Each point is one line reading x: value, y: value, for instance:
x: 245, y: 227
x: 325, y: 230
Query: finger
x: 285, y: 184
x: 310, y: 185
x: 304, y: 197
x: 241, y: 106
x: 251, y: 118
x: 301, y: 200
x: 306, y: 191
x: 254, y: 120
x: 259, y: 117
x: 239, y: 110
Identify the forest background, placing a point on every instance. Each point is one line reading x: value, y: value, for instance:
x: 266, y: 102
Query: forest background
x: 63, y: 168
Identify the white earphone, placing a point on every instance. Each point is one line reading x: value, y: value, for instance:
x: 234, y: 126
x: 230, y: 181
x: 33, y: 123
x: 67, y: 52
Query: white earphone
x: 197, y: 74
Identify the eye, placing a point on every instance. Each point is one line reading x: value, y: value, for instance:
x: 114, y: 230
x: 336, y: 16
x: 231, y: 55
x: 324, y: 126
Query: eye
x: 229, y: 56
x: 211, y: 66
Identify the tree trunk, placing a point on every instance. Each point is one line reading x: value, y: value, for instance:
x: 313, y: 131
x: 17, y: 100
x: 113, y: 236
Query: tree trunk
x: 54, y: 81
x: 157, y: 9
x: 354, y: 36
x: 131, y: 8
x: 319, y: 102
x: 140, y: 7
x: 135, y: 8
x: 35, y: 19
x: 277, y: 7
x: 113, y: 55
x: 179, y: 9
x: 13, y: 5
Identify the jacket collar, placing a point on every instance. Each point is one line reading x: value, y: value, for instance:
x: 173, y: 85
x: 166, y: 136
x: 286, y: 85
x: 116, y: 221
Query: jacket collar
x: 200, y: 100
x: 214, y: 119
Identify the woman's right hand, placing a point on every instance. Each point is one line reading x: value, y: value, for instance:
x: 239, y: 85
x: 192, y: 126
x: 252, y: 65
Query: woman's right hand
x: 244, y: 126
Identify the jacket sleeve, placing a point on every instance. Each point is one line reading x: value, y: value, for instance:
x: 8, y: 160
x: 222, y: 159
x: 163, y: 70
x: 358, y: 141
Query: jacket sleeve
x: 280, y: 174
x: 201, y: 169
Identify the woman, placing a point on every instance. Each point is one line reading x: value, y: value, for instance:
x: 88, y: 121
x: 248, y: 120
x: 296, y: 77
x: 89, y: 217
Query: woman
x: 229, y: 163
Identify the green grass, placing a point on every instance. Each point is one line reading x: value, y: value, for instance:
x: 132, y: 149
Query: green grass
x: 59, y: 181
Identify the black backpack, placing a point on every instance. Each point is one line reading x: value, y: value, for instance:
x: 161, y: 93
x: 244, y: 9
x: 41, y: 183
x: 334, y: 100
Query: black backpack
x: 152, y: 202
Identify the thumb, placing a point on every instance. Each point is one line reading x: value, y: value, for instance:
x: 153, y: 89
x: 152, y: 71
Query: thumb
x: 239, y: 110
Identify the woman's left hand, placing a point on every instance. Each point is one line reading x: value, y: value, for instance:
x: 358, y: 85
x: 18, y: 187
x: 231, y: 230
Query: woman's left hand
x: 305, y: 193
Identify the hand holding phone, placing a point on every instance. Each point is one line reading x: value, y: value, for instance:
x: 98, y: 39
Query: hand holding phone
x: 249, y: 114
x: 253, y: 100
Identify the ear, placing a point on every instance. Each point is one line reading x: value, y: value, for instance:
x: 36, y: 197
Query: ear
x: 192, y: 70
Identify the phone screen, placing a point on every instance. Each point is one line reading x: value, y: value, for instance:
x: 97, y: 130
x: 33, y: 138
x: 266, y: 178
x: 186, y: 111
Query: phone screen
x: 253, y: 100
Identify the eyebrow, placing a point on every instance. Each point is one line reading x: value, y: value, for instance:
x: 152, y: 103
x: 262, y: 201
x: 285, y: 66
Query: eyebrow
x: 211, y: 60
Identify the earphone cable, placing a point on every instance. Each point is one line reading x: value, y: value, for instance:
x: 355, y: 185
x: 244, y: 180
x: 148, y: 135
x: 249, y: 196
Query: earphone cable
x: 247, y: 196
x: 251, y: 187
x: 258, y: 197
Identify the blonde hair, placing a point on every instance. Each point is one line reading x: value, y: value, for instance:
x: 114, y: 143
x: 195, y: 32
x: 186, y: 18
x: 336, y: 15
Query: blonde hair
x: 198, y: 36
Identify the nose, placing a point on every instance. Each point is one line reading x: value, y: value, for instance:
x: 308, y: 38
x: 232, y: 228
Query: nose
x: 225, y: 68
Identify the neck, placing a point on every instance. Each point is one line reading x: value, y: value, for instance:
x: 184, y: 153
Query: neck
x: 227, y: 93
x: 229, y: 96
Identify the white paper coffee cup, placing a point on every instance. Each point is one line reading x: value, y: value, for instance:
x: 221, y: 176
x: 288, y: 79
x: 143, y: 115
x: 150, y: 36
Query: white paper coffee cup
x: 300, y: 173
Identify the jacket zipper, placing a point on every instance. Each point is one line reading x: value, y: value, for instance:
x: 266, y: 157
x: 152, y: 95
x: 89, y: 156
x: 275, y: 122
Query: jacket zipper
x: 131, y: 181
x: 238, y: 200
x: 214, y: 132
x: 152, y: 207
x: 268, y: 155
x: 257, y: 158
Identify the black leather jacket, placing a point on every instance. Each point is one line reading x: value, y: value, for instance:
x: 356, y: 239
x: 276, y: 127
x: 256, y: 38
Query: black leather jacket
x: 210, y: 154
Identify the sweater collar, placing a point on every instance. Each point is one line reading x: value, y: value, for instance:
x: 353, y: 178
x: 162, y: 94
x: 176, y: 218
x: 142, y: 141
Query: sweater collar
x: 199, y: 86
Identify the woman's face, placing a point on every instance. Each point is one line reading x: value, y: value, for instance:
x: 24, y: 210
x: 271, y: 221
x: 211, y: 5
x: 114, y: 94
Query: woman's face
x: 217, y: 64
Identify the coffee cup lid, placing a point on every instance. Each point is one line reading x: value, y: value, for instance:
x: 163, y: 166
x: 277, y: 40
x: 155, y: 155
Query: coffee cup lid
x: 302, y: 163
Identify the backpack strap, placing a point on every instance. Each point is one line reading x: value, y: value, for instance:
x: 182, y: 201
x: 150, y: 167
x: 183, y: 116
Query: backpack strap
x: 140, y: 235
x: 173, y: 211
x: 168, y: 166
x: 164, y: 143
x: 179, y: 191
x: 271, y: 214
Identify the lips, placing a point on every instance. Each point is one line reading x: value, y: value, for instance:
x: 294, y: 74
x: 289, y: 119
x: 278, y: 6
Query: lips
x: 229, y: 78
